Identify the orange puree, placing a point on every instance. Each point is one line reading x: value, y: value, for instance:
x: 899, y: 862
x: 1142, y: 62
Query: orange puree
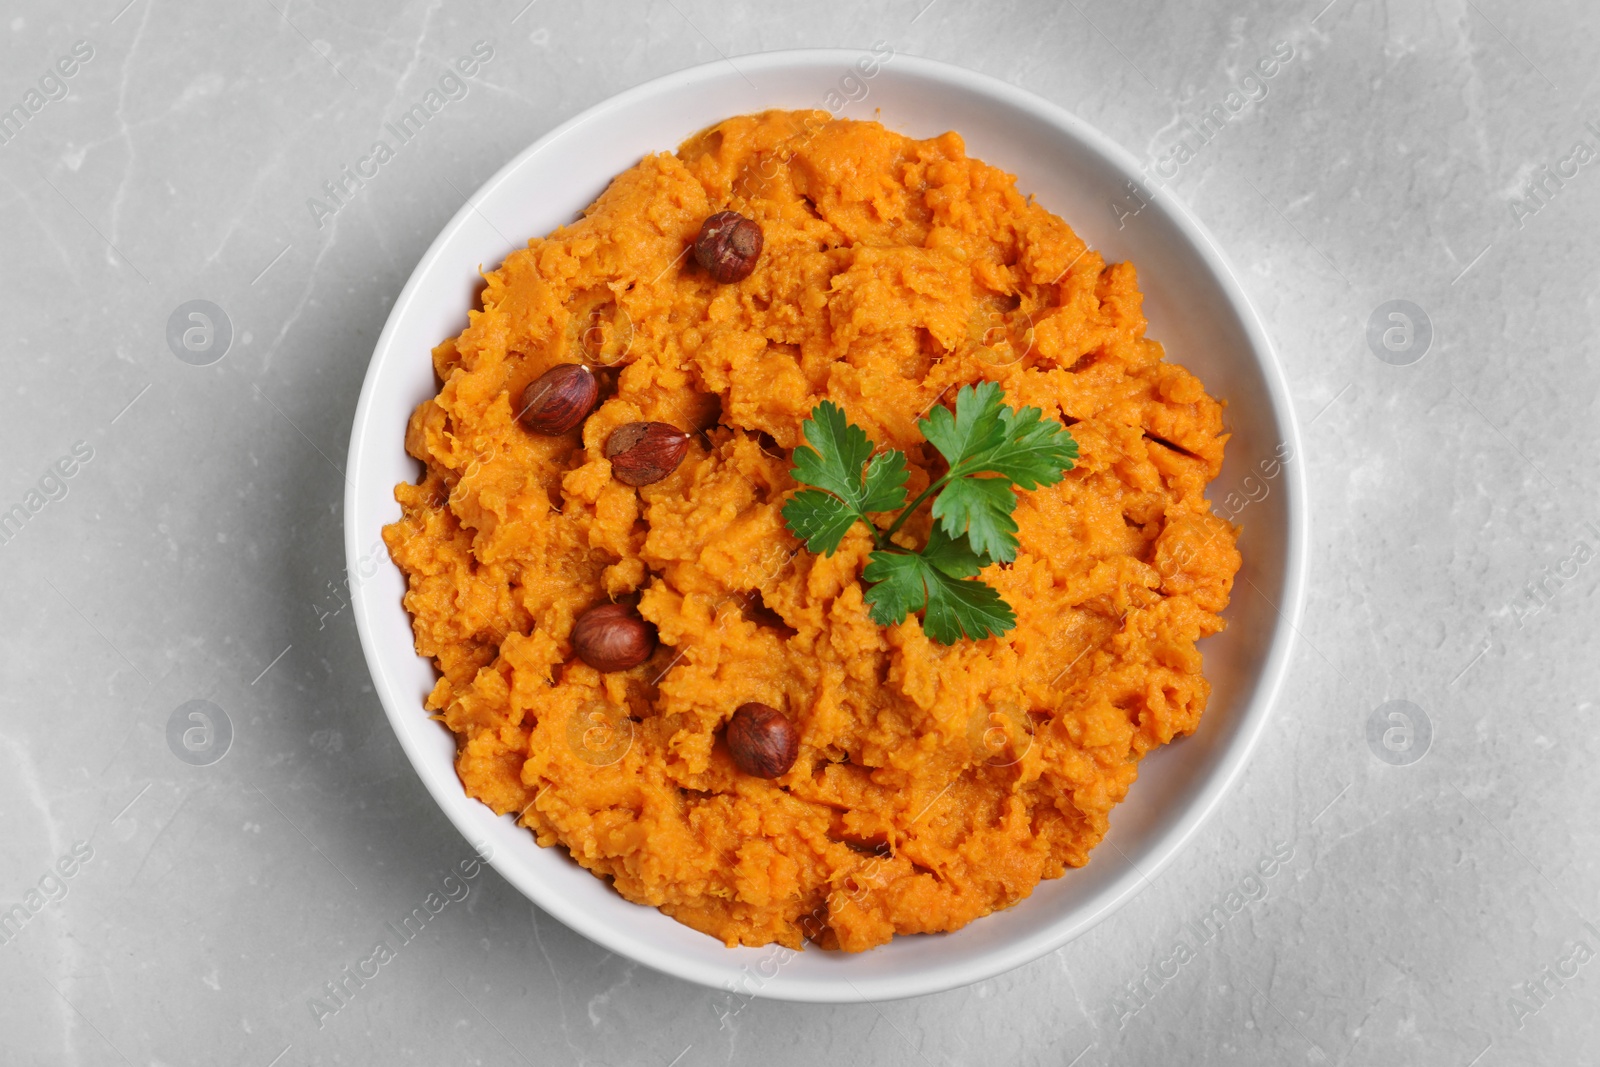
x: 934, y: 784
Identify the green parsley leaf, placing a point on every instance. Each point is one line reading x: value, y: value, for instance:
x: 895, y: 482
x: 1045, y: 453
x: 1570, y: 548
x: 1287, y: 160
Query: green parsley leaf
x: 975, y: 427
x: 980, y: 508
x: 886, y: 482
x: 969, y: 609
x: 837, y: 451
x: 833, y: 463
x: 898, y: 585
x: 819, y: 519
x: 938, y: 582
x: 1037, y: 451
x: 982, y: 437
x: 953, y: 556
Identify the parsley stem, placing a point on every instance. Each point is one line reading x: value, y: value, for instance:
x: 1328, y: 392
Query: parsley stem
x: 910, y: 509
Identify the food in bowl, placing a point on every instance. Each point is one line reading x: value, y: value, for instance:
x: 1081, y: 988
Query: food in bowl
x: 642, y: 661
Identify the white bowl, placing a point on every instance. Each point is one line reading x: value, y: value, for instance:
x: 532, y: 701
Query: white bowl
x: 1195, y: 307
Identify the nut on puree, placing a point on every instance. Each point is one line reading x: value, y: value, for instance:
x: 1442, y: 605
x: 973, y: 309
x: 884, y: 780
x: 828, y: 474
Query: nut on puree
x: 934, y: 784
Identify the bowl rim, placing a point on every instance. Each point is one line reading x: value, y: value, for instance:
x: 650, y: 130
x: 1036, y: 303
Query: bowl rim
x: 1171, y: 839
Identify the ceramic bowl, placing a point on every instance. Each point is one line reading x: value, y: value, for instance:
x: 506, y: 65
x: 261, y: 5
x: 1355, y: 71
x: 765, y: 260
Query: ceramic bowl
x: 1196, y: 308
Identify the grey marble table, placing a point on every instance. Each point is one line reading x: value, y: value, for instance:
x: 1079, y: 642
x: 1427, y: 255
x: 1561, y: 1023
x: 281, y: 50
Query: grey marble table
x: 171, y: 533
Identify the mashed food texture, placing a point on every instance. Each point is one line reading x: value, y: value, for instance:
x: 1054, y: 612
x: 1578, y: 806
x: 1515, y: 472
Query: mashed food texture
x: 934, y: 784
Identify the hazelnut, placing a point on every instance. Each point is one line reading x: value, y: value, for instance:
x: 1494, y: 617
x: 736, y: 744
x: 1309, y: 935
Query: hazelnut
x: 642, y: 453
x: 728, y: 246
x: 612, y: 637
x: 559, y: 399
x: 762, y: 740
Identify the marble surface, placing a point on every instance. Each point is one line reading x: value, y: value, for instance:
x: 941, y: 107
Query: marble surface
x: 1433, y: 887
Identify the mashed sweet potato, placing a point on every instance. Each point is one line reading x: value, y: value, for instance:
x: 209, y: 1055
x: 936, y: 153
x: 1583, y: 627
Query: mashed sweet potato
x: 934, y: 784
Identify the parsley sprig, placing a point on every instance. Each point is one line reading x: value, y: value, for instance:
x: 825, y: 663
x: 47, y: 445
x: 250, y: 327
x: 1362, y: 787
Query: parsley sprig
x: 990, y: 449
